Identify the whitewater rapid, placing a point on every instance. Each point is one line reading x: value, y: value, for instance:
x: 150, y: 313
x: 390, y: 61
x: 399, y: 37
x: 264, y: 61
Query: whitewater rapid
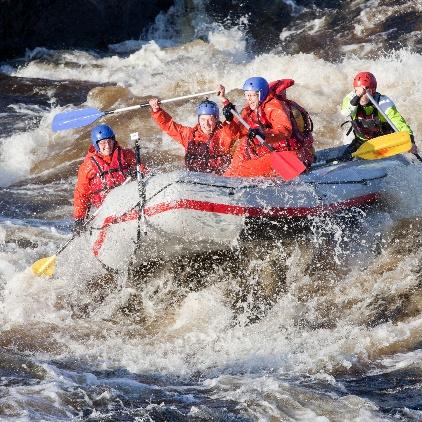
x: 346, y: 321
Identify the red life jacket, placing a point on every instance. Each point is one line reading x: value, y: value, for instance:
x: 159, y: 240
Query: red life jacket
x: 107, y: 175
x: 302, y: 125
x: 200, y: 156
x: 278, y: 89
x: 368, y: 126
x: 258, y: 120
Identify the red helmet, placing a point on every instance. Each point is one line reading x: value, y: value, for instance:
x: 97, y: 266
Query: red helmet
x: 365, y: 79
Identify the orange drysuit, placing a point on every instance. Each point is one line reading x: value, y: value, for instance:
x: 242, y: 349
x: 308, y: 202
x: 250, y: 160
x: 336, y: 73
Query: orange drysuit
x: 98, y: 174
x: 274, y: 119
x: 250, y: 158
x: 205, y: 153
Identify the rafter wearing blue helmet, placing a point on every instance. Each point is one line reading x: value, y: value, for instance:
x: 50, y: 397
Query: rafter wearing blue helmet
x: 208, y: 108
x: 259, y: 85
x: 269, y: 118
x: 100, y: 132
x: 106, y: 165
x: 207, y: 144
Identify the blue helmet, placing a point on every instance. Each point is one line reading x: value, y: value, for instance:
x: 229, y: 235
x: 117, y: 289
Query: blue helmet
x: 209, y: 108
x: 257, y: 84
x: 101, y: 132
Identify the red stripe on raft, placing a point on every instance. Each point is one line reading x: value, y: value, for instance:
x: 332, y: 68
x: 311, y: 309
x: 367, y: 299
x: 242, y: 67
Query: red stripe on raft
x: 204, y: 206
x: 108, y: 221
x: 258, y: 212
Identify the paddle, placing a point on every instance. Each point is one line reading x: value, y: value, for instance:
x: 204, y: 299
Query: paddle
x: 376, y: 148
x: 376, y: 105
x: 140, y: 177
x: 85, y: 116
x: 46, y: 267
x: 384, y: 146
x: 285, y: 163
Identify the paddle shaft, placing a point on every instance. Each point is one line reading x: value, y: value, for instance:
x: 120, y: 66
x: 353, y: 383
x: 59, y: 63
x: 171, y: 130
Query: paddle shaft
x: 247, y: 126
x: 393, y: 126
x: 49, y: 261
x: 376, y: 105
x: 140, y: 177
x: 84, y: 117
x: 169, y: 100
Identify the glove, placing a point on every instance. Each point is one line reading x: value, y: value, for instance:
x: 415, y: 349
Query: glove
x: 252, y: 132
x: 351, y: 148
x: 78, y: 227
x: 133, y: 174
x: 355, y: 101
x: 227, y: 113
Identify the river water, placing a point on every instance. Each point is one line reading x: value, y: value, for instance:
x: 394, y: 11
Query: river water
x: 339, y: 336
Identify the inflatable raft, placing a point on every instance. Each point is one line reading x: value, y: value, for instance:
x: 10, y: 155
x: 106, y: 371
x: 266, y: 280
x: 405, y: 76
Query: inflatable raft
x: 188, y: 212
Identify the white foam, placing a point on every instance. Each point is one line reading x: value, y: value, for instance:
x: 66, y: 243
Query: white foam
x: 20, y: 151
x: 17, y: 154
x: 231, y: 41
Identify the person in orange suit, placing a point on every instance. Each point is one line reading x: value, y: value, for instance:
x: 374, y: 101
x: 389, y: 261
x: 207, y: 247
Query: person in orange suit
x: 270, y: 119
x: 106, y: 165
x: 208, y: 144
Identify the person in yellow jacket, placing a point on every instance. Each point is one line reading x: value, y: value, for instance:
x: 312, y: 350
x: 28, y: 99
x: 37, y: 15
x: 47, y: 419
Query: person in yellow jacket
x: 367, y: 122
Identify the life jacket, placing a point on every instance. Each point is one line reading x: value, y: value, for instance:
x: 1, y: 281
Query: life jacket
x: 257, y: 119
x: 302, y: 124
x: 368, y: 126
x: 107, y: 176
x: 200, y: 156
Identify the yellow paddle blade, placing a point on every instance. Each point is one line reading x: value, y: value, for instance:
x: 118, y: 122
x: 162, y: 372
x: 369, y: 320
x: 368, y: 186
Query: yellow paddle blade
x: 44, y: 267
x: 384, y: 146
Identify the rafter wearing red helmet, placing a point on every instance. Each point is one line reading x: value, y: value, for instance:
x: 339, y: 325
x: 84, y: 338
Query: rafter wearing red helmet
x: 367, y: 122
